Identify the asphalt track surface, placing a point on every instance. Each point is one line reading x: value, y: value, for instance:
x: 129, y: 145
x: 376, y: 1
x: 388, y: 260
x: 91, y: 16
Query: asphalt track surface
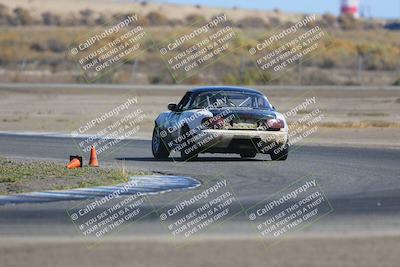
x: 362, y: 184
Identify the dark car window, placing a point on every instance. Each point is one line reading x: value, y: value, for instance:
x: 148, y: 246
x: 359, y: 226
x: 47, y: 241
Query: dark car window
x: 185, y: 102
x: 230, y: 99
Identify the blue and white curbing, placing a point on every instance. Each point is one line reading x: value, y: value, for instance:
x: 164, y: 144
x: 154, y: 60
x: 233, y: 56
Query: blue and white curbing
x: 146, y: 185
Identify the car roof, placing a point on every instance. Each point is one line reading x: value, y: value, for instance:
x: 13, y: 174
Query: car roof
x: 223, y: 88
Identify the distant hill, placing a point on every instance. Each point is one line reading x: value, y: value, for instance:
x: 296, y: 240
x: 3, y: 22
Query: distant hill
x: 171, y: 11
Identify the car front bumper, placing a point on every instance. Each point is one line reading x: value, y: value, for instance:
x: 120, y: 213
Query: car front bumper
x: 239, y: 140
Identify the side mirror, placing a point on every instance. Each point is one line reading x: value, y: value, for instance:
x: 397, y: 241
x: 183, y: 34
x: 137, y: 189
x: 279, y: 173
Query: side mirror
x: 172, y: 107
x: 273, y: 108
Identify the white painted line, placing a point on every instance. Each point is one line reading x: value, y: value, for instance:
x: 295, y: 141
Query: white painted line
x: 147, y: 185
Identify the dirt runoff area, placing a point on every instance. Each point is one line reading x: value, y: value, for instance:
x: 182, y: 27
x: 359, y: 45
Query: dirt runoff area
x: 350, y: 115
x: 334, y: 251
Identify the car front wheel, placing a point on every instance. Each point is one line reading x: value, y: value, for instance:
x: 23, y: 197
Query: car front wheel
x: 160, y: 151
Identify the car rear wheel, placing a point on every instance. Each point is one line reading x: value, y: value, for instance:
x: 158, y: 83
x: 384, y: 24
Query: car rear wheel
x: 248, y: 154
x: 280, y: 154
x: 160, y: 151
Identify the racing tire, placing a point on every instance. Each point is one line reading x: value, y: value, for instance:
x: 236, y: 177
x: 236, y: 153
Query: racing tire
x: 160, y: 151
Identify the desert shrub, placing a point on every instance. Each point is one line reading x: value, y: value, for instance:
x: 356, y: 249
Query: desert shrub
x: 56, y: 46
x: 117, y: 16
x: 379, y: 62
x: 372, y: 25
x: 317, y: 78
x: 397, y: 83
x: 363, y: 49
x: 3, y: 10
x: 228, y: 22
x: 38, y: 47
x: 248, y: 77
x: 328, y: 63
x: 86, y: 13
x: 275, y: 21
x: 142, y: 20
x: 195, y: 19
x: 312, y: 23
x: 13, y: 21
x: 49, y: 19
x: 22, y: 16
x: 86, y: 17
x: 71, y: 20
x: 251, y: 22
x: 155, y: 79
x: 348, y: 22
x: 102, y: 19
x: 175, y: 22
x: 328, y: 20
x: 378, y: 57
x: 156, y: 18
x: 4, y: 15
x: 9, y: 51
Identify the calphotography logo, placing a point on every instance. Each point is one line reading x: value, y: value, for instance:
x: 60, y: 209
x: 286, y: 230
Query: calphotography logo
x: 284, y: 48
x: 291, y: 209
x: 105, y: 215
x: 108, y: 129
x: 195, y: 50
x: 197, y: 212
x: 105, y: 49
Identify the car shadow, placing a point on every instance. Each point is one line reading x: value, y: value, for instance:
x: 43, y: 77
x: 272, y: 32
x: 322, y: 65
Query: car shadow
x: 200, y: 159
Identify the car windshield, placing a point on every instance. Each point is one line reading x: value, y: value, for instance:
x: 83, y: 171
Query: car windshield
x: 230, y: 99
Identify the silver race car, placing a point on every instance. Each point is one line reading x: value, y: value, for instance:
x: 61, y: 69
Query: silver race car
x: 221, y: 120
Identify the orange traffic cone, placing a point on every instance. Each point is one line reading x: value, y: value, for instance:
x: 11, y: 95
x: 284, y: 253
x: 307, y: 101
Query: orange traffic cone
x: 75, y: 162
x: 93, y: 162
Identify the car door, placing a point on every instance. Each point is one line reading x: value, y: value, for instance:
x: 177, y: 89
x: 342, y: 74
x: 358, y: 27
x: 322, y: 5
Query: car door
x: 175, y: 119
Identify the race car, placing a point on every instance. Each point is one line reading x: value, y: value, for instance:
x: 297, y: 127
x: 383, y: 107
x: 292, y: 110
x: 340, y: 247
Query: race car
x: 221, y: 119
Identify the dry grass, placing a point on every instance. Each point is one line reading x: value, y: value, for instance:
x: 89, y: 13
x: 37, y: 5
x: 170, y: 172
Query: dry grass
x: 330, y: 66
x: 19, y: 176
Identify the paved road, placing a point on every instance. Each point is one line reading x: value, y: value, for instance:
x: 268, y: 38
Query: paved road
x: 362, y: 184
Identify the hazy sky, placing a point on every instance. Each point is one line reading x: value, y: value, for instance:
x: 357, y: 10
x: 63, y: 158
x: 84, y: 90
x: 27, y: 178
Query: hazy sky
x: 378, y: 8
